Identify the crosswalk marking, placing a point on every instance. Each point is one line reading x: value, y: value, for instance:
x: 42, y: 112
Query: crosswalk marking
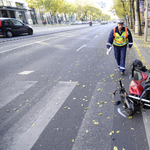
x: 28, y: 135
x: 94, y: 130
x: 11, y: 92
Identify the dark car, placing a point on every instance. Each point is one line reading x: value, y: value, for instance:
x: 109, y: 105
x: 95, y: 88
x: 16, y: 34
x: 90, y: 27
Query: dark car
x: 10, y: 27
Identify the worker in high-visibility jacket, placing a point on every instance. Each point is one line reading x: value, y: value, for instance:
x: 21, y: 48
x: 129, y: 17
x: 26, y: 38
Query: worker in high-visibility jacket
x: 120, y: 36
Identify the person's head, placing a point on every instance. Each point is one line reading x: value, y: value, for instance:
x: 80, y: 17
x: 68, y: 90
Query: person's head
x: 120, y: 24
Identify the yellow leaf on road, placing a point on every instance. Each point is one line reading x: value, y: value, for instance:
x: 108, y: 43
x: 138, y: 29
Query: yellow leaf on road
x: 86, y: 108
x: 87, y: 131
x: 98, y: 103
x: 100, y: 114
x: 132, y: 128
x: 117, y: 131
x: 115, y: 148
x: 130, y: 117
x: 65, y: 107
x: 72, y: 140
x: 96, y: 123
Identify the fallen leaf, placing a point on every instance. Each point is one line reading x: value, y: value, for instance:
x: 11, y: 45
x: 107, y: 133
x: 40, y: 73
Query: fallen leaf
x: 102, y: 102
x: 100, y: 114
x: 72, y: 140
x: 132, y: 128
x: 115, y: 148
x: 87, y: 131
x: 112, y: 132
x: 117, y: 131
x: 86, y: 108
x: 33, y: 124
x: 65, y: 107
x: 100, y: 105
x: 130, y: 117
x: 96, y: 123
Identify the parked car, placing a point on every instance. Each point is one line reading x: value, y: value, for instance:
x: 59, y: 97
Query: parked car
x: 76, y: 23
x: 10, y: 27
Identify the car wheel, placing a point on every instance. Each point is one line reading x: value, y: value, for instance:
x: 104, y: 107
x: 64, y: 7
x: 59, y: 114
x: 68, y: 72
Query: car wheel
x: 9, y: 34
x: 30, y: 31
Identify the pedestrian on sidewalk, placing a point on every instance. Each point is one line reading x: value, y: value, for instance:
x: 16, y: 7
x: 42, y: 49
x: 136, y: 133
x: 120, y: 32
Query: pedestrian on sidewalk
x: 120, y: 36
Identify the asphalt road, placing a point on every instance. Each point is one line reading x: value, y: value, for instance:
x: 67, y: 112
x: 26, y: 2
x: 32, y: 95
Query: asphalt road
x: 55, y: 93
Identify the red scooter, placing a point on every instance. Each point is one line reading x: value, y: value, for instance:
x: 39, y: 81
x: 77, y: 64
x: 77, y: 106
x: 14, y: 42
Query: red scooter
x: 139, y: 88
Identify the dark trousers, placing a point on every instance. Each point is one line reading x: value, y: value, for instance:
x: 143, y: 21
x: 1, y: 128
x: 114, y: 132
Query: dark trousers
x: 120, y: 56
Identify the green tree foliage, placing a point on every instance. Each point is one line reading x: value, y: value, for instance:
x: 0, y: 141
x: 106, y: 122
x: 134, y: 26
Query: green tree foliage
x: 121, y: 8
x: 83, y: 8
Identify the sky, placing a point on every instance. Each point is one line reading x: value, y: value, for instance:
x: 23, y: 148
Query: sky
x: 104, y: 5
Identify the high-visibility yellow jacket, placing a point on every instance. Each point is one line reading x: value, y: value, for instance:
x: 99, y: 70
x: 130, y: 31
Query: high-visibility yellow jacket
x: 120, y: 40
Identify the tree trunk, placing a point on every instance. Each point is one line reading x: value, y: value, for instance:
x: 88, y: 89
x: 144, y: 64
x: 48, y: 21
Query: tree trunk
x: 138, y: 18
x: 133, y: 15
x: 131, y: 23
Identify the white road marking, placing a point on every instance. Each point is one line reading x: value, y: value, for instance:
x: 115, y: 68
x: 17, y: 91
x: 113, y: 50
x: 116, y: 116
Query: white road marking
x: 89, y: 131
x: 25, y: 72
x: 29, y: 44
x: 26, y: 132
x: 85, y: 45
x: 11, y: 92
x: 119, y: 111
x: 81, y: 47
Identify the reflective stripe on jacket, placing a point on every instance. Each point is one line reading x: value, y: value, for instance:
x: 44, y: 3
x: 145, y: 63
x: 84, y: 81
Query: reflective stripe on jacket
x: 120, y: 40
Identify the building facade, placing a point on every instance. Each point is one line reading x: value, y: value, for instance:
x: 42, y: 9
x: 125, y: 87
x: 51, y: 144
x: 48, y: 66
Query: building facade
x: 16, y: 9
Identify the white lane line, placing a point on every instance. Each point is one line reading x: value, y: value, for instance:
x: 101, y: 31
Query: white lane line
x: 85, y: 45
x: 119, y: 111
x: 37, y: 42
x: 81, y: 47
x: 29, y: 128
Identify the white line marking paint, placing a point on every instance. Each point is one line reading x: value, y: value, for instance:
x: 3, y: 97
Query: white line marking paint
x: 25, y: 135
x: 85, y: 45
x: 119, y: 111
x: 81, y: 47
x: 25, y: 72
x: 8, y: 94
x: 29, y: 44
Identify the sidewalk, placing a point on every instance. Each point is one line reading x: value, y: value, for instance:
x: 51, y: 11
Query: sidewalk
x: 143, y: 51
x: 143, y: 48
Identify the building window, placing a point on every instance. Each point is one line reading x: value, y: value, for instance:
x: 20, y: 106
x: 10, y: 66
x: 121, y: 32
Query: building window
x: 8, y: 3
x: 19, y: 4
x: 12, y: 13
x: 1, y: 2
x: 4, y: 13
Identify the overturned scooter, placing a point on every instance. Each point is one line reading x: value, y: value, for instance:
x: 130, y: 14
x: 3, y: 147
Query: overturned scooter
x: 139, y: 88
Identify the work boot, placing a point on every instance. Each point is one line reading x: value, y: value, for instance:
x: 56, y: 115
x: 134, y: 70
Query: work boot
x: 122, y: 72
